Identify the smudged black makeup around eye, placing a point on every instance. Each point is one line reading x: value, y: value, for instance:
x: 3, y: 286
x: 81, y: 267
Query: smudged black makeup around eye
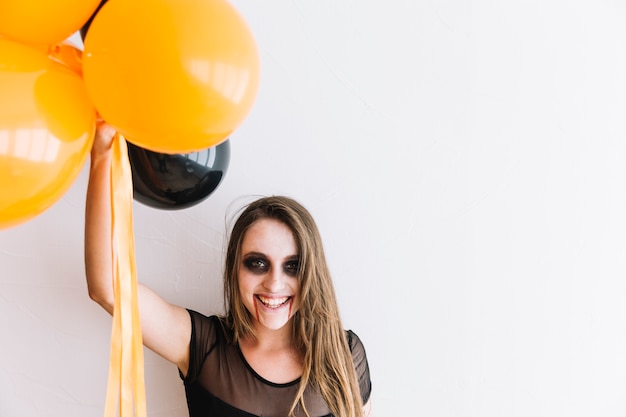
x: 256, y: 264
x: 292, y: 267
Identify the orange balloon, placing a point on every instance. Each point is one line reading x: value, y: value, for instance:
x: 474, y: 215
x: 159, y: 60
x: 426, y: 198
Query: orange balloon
x: 65, y: 53
x: 43, y: 22
x: 47, y: 124
x: 68, y: 55
x: 172, y: 76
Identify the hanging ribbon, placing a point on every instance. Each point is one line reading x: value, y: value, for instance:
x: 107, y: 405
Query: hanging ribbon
x: 126, y: 372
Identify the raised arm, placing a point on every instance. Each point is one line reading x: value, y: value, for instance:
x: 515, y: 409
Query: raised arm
x: 166, y: 328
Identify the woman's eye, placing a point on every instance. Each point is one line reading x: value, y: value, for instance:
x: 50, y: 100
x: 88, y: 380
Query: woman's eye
x: 255, y: 264
x: 291, y: 268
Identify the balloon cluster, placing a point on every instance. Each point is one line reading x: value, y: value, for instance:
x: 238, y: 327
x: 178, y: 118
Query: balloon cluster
x: 174, y: 77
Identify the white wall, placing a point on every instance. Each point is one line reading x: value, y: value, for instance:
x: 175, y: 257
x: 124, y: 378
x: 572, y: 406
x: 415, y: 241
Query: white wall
x: 465, y: 161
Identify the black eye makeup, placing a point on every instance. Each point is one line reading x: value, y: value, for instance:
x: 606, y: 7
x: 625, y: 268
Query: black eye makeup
x: 256, y: 264
x: 259, y: 264
x: 291, y: 267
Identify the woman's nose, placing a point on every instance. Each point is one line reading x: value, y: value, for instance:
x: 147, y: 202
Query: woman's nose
x: 274, y: 280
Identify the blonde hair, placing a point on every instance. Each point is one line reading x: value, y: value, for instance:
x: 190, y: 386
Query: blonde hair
x: 318, y: 333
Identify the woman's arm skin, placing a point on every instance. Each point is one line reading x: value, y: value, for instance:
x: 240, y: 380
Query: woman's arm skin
x: 166, y: 328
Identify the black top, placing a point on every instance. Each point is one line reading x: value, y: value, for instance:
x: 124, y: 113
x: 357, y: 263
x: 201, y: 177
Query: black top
x: 221, y: 383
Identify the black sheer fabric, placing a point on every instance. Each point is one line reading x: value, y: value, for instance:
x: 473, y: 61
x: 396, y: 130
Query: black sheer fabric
x: 221, y: 383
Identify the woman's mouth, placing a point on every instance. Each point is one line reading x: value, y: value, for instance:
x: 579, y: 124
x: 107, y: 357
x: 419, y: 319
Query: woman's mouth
x: 273, y: 302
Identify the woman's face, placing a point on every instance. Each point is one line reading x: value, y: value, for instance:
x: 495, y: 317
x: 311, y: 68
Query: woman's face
x: 268, y: 281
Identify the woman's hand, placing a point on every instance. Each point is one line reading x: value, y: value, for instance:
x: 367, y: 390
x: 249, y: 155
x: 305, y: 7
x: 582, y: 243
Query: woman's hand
x: 103, y: 139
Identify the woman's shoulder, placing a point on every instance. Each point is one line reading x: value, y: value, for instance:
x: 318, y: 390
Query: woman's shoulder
x: 207, y: 333
x: 354, y: 341
x: 203, y: 317
x: 359, y: 358
x: 208, y: 327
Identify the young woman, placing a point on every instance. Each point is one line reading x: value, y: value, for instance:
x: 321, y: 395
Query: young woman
x: 280, y: 349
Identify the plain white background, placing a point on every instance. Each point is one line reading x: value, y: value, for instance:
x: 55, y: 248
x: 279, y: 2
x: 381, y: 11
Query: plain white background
x: 466, y: 163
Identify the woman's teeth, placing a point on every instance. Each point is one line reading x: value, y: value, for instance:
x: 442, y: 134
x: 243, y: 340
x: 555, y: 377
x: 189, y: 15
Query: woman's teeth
x: 272, y: 302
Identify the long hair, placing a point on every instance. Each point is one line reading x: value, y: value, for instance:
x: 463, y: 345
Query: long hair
x: 318, y: 333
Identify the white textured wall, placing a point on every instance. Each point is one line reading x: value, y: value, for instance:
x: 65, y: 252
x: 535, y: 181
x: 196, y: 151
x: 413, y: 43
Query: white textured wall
x: 465, y: 161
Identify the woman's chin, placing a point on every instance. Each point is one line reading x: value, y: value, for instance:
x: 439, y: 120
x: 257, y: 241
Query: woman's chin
x: 273, y: 318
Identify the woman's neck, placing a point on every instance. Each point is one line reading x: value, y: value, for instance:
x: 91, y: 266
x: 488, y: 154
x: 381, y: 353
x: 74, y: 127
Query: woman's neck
x: 270, y: 340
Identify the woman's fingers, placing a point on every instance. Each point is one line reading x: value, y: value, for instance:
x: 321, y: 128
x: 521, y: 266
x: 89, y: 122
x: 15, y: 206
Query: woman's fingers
x: 104, y: 136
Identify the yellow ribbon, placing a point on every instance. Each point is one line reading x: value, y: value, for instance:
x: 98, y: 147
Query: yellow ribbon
x: 126, y: 371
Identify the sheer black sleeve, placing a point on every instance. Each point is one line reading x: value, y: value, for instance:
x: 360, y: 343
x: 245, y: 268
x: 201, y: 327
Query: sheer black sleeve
x: 359, y: 358
x: 203, y: 339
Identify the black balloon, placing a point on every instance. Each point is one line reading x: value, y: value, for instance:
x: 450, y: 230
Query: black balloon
x: 177, y: 181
